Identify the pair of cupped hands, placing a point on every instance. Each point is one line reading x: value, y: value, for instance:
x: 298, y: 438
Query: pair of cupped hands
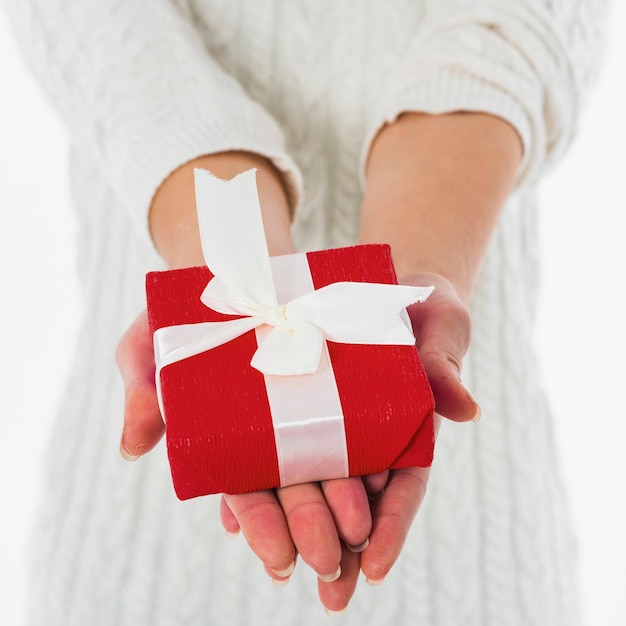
x: 435, y: 186
x: 338, y: 527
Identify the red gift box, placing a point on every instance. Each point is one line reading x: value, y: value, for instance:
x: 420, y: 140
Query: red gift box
x: 219, y: 428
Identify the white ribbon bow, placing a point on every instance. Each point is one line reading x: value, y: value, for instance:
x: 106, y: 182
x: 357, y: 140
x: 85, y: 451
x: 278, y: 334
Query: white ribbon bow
x: 235, y: 250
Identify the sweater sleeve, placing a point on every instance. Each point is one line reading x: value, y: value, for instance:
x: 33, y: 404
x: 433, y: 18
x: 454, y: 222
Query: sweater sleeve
x: 529, y: 62
x: 137, y: 89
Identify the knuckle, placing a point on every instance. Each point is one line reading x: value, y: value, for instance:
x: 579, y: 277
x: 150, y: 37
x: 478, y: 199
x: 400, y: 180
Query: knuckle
x: 249, y: 506
x: 307, y: 511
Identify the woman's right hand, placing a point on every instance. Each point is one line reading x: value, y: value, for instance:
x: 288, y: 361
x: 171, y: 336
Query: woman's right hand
x: 313, y: 521
x: 143, y: 425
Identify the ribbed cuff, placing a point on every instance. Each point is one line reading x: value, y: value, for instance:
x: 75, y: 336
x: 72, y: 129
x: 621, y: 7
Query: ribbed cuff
x: 448, y: 90
x: 147, y: 159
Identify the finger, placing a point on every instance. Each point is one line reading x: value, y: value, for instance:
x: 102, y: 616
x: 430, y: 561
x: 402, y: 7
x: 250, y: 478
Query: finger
x: 452, y: 399
x: 336, y: 595
x: 143, y: 425
x: 312, y: 528
x: 279, y: 580
x: 264, y: 526
x: 392, y: 516
x: 228, y: 519
x: 348, y: 502
x: 375, y: 484
x: 442, y: 328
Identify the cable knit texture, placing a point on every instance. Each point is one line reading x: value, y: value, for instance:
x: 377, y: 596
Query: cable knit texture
x: 145, y: 86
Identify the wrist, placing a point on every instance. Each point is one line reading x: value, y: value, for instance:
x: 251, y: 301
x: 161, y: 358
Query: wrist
x: 173, y: 220
x: 434, y: 189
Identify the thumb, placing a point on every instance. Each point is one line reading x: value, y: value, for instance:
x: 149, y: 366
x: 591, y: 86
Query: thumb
x: 442, y: 328
x: 143, y: 425
x: 452, y: 399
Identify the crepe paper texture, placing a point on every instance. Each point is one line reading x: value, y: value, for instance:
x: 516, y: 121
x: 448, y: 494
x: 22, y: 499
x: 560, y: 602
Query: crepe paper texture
x: 220, y: 432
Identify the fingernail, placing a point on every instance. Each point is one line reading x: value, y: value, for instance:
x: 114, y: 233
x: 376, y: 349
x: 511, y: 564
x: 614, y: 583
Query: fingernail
x: 372, y: 582
x: 478, y: 414
x: 470, y: 395
x: 126, y: 455
x: 280, y: 582
x: 335, y: 613
x: 329, y: 578
x: 360, y: 547
x: 231, y: 535
x: 284, y: 573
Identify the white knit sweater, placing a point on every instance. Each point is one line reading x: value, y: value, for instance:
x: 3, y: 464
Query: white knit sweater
x: 145, y: 86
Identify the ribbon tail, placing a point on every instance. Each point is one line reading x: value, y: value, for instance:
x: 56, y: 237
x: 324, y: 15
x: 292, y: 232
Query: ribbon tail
x: 361, y: 313
x: 236, y: 251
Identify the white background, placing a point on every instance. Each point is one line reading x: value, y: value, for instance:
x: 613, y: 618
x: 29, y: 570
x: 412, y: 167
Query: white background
x: 581, y: 332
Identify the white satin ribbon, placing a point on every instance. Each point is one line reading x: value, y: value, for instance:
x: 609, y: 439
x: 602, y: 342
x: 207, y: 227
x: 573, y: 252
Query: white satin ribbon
x: 307, y: 418
x: 234, y: 248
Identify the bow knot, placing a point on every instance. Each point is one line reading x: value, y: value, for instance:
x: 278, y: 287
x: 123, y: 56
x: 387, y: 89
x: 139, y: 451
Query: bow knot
x: 277, y: 316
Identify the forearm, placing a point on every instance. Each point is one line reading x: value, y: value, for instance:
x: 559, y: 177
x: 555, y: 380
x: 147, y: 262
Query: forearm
x: 139, y: 92
x: 435, y: 187
x: 173, y: 219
